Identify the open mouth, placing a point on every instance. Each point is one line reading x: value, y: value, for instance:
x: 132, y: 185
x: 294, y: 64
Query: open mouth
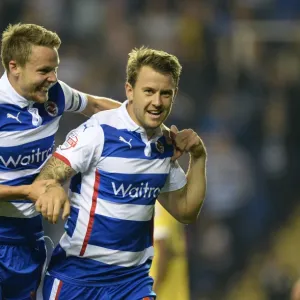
x: 154, y: 113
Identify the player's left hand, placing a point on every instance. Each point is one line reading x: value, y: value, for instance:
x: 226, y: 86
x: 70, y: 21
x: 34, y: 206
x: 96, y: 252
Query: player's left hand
x: 186, y: 140
x: 51, y: 202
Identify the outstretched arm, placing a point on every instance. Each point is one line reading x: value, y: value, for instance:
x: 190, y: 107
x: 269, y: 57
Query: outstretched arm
x: 96, y: 104
x: 185, y: 204
x: 27, y: 192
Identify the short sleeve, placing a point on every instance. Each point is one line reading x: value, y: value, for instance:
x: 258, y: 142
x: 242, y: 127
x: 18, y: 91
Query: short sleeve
x: 83, y: 146
x: 75, y: 101
x: 175, y: 180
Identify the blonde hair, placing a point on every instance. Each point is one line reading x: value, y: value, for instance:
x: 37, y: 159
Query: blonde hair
x: 160, y: 61
x: 18, y: 39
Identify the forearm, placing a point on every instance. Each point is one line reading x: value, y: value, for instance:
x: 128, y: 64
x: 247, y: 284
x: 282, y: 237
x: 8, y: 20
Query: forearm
x: 96, y: 104
x: 195, y: 189
x: 13, y: 192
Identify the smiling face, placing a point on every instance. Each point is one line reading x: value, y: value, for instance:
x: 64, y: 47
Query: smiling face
x: 151, y: 98
x: 33, y: 80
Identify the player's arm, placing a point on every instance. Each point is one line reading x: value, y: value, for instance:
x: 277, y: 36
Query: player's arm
x: 79, y: 102
x: 96, y: 104
x: 57, y: 169
x: 79, y: 152
x: 185, y: 204
x: 21, y: 192
x: 50, y: 203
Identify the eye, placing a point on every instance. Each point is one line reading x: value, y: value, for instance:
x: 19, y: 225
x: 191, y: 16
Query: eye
x: 166, y: 94
x: 46, y: 71
x: 148, y: 92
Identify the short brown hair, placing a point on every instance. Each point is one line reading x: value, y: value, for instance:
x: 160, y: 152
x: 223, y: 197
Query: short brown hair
x: 160, y: 61
x: 18, y: 39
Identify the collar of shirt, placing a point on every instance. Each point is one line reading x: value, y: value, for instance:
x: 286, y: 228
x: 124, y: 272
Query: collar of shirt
x: 13, y: 96
x: 132, y: 126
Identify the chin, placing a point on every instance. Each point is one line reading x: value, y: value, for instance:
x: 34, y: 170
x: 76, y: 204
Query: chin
x: 40, y: 99
x: 153, y: 125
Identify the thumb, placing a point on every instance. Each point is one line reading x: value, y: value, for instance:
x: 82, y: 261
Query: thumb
x: 167, y: 136
x: 173, y: 131
x: 66, y: 211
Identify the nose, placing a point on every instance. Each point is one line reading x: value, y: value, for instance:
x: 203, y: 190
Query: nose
x: 52, y: 76
x: 157, y: 99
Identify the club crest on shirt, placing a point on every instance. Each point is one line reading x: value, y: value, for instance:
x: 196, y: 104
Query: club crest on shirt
x: 160, y: 147
x: 51, y: 108
x: 70, y: 142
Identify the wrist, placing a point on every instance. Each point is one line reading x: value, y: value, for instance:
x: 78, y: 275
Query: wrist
x: 198, y: 154
x: 24, y: 191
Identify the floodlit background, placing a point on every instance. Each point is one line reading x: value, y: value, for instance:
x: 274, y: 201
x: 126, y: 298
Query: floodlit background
x: 240, y: 90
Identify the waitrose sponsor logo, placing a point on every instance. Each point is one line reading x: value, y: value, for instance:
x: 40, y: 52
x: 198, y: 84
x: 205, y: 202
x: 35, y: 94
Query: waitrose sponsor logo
x: 36, y: 156
x: 141, y: 191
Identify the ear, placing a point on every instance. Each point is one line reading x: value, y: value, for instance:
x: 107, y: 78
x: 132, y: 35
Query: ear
x: 129, y: 91
x: 13, y: 68
x: 175, y: 94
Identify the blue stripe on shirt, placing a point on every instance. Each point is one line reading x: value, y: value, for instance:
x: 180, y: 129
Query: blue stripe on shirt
x: 75, y: 184
x: 79, y: 270
x: 27, y: 156
x: 14, y: 118
x: 114, y: 146
x: 121, y: 235
x: 71, y: 222
x: 79, y: 103
x: 130, y: 188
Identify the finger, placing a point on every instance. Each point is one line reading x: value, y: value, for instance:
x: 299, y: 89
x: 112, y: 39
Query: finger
x: 181, y: 140
x: 166, y: 134
x: 193, y: 142
x: 173, y: 132
x: 50, y: 208
x: 66, y: 211
x: 56, y: 210
x: 38, y: 206
x: 176, y: 155
x: 44, y: 206
x: 174, y: 129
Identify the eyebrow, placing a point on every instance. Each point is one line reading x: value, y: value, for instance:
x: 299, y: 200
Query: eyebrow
x: 170, y: 92
x: 47, y: 68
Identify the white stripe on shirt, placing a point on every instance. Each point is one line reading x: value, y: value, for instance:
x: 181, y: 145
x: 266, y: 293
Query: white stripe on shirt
x: 16, y: 138
x: 131, y: 212
x: 108, y: 256
x: 141, y: 166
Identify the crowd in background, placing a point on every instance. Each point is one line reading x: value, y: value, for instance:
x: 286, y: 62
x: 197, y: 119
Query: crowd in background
x: 239, y: 90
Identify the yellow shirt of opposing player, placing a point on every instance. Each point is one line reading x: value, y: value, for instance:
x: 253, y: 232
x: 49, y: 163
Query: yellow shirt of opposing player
x: 169, y: 233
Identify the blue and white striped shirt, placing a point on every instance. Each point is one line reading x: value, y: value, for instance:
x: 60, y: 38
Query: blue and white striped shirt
x: 27, y: 132
x: 120, y: 173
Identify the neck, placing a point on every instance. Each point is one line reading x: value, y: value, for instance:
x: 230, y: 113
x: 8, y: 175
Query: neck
x: 150, y: 133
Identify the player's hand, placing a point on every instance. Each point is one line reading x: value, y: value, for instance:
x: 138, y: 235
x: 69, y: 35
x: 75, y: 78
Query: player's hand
x: 51, y: 202
x: 38, y: 188
x: 186, y: 140
x: 296, y: 291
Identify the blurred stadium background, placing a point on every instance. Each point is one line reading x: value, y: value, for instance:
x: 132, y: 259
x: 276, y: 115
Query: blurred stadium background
x: 239, y: 89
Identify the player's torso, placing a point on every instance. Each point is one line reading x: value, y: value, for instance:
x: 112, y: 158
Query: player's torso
x: 113, y: 202
x: 26, y: 141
